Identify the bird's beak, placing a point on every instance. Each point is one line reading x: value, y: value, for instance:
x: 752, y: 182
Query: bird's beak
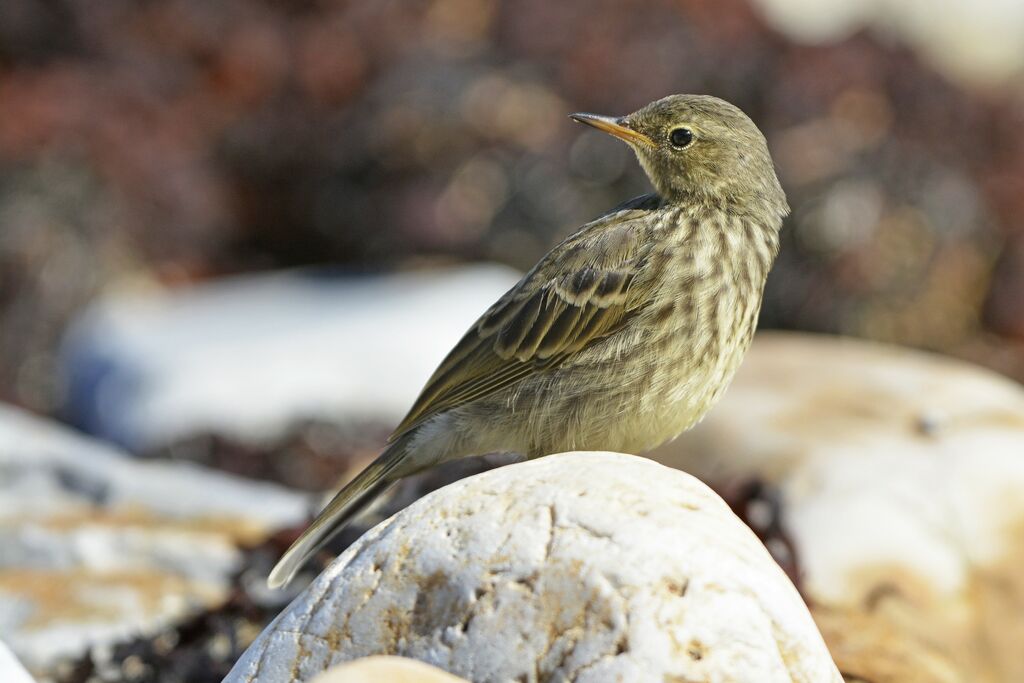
x: 613, y: 126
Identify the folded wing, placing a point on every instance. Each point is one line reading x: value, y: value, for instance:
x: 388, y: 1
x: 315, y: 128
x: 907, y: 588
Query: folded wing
x: 585, y: 289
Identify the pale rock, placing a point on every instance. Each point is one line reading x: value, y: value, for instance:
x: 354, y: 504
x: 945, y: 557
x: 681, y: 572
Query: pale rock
x: 899, y: 475
x: 585, y: 567
x: 383, y: 669
x: 974, y: 42
x: 11, y: 670
x: 97, y: 548
x: 248, y: 357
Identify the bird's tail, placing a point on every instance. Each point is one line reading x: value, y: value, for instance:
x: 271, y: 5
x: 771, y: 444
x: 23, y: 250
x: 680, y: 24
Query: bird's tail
x: 355, y: 497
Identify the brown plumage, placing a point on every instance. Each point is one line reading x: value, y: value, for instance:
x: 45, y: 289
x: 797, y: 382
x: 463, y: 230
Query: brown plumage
x: 623, y: 335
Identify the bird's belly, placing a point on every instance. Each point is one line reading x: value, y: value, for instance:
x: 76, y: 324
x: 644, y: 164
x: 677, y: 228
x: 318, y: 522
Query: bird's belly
x: 626, y: 394
x: 636, y: 412
x: 671, y: 409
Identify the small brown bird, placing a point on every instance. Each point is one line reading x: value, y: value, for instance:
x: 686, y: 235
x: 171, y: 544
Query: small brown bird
x: 623, y: 335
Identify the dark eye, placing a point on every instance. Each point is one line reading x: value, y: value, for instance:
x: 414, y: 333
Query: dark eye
x: 680, y: 137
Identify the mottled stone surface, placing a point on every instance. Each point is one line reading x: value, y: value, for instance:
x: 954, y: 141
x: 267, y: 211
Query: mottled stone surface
x: 97, y: 548
x: 898, y: 479
x: 586, y: 567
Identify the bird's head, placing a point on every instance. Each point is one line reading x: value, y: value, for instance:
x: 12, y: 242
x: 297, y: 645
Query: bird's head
x: 699, y: 148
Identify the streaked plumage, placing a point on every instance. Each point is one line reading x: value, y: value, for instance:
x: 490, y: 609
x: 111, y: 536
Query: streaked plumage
x: 623, y: 335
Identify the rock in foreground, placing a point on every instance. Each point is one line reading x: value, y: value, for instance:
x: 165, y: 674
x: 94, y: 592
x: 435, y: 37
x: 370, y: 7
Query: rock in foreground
x: 585, y: 567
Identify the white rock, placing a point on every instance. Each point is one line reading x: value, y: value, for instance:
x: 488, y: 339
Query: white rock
x: 383, y: 669
x: 11, y: 670
x: 976, y: 42
x: 900, y: 476
x: 96, y: 547
x: 586, y: 567
x: 246, y: 357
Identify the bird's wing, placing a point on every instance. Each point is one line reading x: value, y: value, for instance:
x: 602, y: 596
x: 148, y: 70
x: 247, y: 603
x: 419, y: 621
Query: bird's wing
x: 583, y: 290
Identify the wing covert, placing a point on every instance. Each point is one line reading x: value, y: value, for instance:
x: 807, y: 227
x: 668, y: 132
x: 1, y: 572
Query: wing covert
x: 583, y: 290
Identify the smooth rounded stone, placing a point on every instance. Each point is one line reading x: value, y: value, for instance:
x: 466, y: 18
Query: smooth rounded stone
x: 98, y: 548
x: 897, y: 476
x: 383, y: 669
x: 585, y: 567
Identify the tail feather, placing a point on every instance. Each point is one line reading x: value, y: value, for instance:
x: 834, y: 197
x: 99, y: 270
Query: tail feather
x: 355, y: 497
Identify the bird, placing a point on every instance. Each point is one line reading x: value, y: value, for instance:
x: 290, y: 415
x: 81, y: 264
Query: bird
x: 623, y: 335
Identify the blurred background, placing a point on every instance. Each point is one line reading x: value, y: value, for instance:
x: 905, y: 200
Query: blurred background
x: 168, y: 143
x: 202, y: 201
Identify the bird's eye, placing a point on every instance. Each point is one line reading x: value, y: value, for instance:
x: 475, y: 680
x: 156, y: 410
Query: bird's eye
x: 680, y: 137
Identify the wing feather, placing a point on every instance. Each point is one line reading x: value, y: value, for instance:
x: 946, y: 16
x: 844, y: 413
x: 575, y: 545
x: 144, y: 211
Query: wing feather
x: 583, y: 290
